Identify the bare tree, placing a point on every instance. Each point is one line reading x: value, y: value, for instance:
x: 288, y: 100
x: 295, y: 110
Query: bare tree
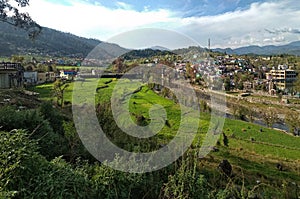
x: 250, y: 114
x: 270, y: 117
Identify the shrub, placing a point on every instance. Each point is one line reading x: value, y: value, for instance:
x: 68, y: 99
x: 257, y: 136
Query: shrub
x: 24, y: 173
x: 32, y: 121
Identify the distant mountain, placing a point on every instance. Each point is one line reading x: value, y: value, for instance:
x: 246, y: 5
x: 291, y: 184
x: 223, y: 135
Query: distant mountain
x: 144, y: 53
x: 291, y: 48
x: 49, y: 42
x: 160, y: 48
x: 60, y: 44
x: 107, y: 52
x: 224, y: 50
x: 190, y: 50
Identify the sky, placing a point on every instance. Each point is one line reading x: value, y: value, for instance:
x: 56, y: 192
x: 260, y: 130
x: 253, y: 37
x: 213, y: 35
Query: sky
x: 227, y: 23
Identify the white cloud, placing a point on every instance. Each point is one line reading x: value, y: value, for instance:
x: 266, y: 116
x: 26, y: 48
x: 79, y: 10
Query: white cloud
x: 124, y: 6
x: 95, y: 21
x: 254, y: 26
x: 230, y: 29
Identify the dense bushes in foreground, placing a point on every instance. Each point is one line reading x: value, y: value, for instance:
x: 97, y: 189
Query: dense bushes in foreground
x: 25, y: 173
x: 47, y: 160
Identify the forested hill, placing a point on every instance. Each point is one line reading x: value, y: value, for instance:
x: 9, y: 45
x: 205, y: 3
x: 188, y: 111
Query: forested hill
x: 49, y: 42
x: 144, y: 53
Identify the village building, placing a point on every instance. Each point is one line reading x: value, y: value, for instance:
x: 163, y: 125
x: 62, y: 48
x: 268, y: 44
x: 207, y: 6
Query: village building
x: 67, y: 74
x: 35, y: 77
x: 11, y: 75
x: 30, y: 77
x: 283, y: 79
x: 50, y: 76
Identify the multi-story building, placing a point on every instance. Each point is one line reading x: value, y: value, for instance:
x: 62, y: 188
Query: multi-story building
x: 283, y: 78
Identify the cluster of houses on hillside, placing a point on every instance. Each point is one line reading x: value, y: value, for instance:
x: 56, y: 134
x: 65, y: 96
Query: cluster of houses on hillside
x: 275, y: 79
x: 280, y: 78
x: 13, y: 75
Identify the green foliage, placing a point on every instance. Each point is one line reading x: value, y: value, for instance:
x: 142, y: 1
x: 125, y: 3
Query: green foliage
x: 192, y: 175
x: 111, y: 183
x: 120, y: 138
x: 10, y: 13
x: 296, y: 84
x: 59, y: 88
x: 50, y: 42
x: 39, y: 129
x: 227, y: 85
x: 293, y: 121
x: 145, y: 53
x: 75, y: 149
x: 16, y: 151
x: 187, y: 181
x: 54, y: 117
x: 24, y: 173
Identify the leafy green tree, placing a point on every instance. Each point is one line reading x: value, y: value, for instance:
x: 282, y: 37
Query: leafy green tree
x: 240, y: 85
x: 227, y: 84
x: 9, y: 13
x: 17, y: 58
x: 59, y: 88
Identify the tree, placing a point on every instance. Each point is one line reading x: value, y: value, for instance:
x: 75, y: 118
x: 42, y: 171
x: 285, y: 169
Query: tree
x: 250, y: 112
x: 10, y: 14
x: 270, y: 117
x: 227, y: 84
x: 292, y: 119
x: 239, y: 112
x: 59, y: 88
x: 118, y: 65
x: 18, y: 59
x: 296, y: 84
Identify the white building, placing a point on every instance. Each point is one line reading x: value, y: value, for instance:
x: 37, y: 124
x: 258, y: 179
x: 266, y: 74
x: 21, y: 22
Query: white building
x: 283, y: 79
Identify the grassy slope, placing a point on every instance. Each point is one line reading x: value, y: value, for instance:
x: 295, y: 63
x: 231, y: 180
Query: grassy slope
x: 257, y: 158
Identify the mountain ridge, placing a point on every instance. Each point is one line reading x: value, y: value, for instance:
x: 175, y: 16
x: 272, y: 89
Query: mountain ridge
x: 50, y: 42
x: 61, y: 44
x: 292, y: 48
